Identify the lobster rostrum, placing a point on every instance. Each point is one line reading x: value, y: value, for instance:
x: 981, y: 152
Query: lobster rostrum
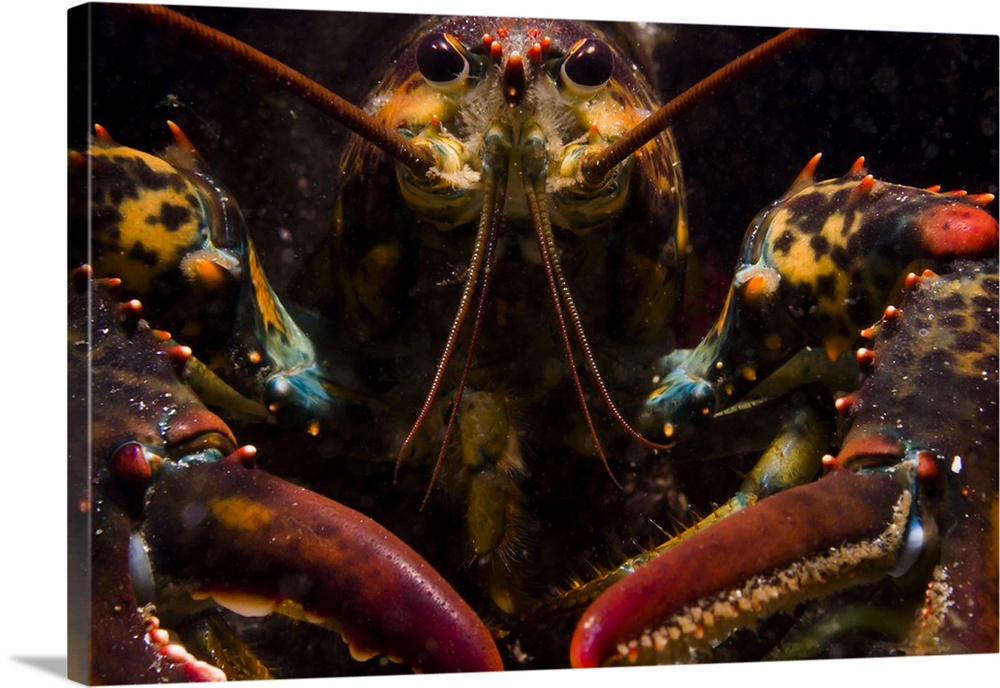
x: 489, y: 393
x: 174, y: 510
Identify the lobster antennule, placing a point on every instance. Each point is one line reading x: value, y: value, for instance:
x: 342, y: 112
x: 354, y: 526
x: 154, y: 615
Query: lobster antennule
x: 485, y: 243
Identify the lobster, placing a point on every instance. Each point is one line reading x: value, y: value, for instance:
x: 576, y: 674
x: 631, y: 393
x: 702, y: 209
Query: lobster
x: 363, y: 286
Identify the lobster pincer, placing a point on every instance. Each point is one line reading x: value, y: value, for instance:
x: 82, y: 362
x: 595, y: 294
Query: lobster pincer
x: 168, y: 502
x: 910, y: 496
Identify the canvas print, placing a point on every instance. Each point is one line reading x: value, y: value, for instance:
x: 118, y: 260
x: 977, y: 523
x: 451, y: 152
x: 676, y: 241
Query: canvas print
x: 464, y: 344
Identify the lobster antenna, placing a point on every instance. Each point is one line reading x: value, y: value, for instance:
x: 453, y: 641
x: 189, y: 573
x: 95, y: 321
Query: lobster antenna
x: 560, y: 288
x: 596, y: 166
x: 562, y: 298
x: 540, y: 220
x: 326, y: 101
x: 494, y: 197
x: 491, y: 247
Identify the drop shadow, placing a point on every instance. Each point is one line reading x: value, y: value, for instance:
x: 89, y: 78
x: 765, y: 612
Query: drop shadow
x: 55, y: 665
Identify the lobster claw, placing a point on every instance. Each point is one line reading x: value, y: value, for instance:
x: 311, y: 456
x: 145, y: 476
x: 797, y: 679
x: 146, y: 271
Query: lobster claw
x: 155, y: 484
x: 253, y: 542
x: 912, y: 494
x: 848, y: 527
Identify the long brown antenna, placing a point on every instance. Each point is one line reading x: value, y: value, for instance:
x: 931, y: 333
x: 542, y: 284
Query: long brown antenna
x: 596, y: 166
x: 326, y: 101
x: 490, y: 220
x: 484, y: 289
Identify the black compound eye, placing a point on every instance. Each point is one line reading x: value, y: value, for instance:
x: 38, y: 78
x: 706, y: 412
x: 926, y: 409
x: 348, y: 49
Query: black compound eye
x: 587, y: 67
x: 442, y: 60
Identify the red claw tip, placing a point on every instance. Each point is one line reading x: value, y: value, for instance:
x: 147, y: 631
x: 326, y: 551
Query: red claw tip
x: 928, y: 470
x: 81, y: 276
x: 77, y: 161
x: 129, y: 467
x: 805, y: 178
x: 810, y: 169
x: 130, y: 312
x: 957, y: 230
x: 180, y: 138
x: 130, y: 309
x: 864, y: 188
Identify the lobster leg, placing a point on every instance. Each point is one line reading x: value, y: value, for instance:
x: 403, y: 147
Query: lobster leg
x: 791, y: 458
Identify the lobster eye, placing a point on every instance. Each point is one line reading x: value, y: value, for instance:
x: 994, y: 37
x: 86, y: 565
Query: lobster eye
x: 587, y: 67
x: 442, y: 60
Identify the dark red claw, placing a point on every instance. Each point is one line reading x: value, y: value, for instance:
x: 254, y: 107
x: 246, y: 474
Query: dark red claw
x: 784, y: 528
x: 225, y: 527
x: 117, y: 628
